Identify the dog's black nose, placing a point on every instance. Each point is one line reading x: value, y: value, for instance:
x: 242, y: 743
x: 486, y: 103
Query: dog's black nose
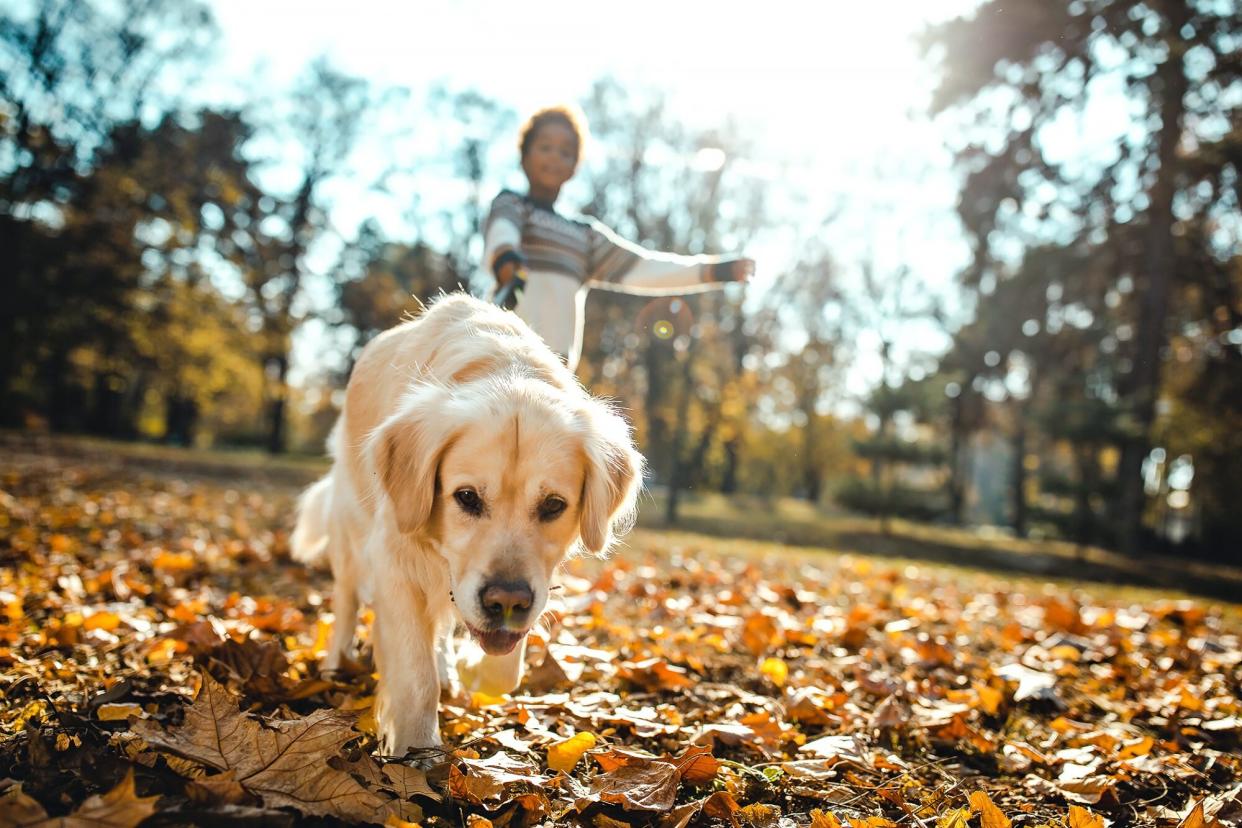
x: 504, y: 601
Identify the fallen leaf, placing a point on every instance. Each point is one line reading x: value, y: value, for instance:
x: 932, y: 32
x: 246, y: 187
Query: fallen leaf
x: 776, y: 670
x: 638, y: 786
x: 562, y: 756
x: 284, y: 762
x: 1079, y: 817
x: 989, y: 815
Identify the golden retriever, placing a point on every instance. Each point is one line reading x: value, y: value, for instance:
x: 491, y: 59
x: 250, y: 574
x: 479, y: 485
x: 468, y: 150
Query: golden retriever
x: 468, y: 462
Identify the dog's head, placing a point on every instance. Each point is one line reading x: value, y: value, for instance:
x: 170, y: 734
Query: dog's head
x: 503, y: 478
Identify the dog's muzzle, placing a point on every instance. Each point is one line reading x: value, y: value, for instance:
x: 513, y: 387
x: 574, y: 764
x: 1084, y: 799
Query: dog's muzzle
x: 506, y: 606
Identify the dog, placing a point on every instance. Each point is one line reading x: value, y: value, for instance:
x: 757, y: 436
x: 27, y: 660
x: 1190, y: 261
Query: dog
x: 468, y: 463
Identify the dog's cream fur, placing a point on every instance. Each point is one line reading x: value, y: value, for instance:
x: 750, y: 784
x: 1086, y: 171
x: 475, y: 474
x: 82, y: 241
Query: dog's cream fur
x: 464, y: 399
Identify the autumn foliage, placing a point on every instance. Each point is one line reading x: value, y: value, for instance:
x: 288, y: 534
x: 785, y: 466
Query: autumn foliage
x: 159, y: 659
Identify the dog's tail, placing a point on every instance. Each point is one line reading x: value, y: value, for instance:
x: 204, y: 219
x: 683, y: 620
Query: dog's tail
x: 309, y: 542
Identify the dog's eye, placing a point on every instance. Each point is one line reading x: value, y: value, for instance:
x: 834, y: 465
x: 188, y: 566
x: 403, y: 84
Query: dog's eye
x: 469, y: 501
x: 551, y: 508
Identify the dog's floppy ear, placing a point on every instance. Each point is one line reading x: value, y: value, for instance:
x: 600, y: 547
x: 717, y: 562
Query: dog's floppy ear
x: 406, y: 452
x: 613, y: 478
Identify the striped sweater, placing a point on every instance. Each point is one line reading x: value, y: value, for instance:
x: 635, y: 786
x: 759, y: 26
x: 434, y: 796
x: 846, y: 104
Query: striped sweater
x: 564, y: 257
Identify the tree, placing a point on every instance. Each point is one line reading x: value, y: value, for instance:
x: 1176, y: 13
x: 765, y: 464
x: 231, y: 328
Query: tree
x: 1014, y: 73
x: 318, y: 127
x: 71, y: 75
x: 667, y: 187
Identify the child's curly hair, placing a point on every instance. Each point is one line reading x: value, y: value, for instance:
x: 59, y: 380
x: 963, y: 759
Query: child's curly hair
x: 565, y: 114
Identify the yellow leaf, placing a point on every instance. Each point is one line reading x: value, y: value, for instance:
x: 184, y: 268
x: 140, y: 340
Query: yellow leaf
x: 119, y: 712
x: 397, y: 822
x: 174, y: 561
x: 366, y: 722
x: 776, y: 670
x: 476, y: 821
x: 957, y: 818
x: 102, y: 621
x: 1141, y: 747
x: 1080, y: 817
x: 824, y: 819
x: 872, y: 822
x: 484, y: 700
x: 562, y: 756
x: 989, y: 815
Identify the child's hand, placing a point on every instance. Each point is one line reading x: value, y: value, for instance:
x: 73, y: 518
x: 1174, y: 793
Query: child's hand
x: 733, y: 270
x: 505, y: 272
x: 743, y: 270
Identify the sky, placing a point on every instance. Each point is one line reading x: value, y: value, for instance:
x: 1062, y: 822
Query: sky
x: 832, y: 93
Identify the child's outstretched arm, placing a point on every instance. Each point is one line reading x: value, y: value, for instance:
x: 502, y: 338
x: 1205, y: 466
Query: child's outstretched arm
x: 619, y: 264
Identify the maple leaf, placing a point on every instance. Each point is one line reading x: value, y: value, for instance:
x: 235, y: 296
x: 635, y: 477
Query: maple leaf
x: 221, y: 787
x: 284, y: 762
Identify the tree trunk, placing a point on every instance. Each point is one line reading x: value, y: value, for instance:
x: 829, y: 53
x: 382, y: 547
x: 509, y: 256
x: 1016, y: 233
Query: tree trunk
x: 812, y: 480
x: 732, y: 453
x: 677, y: 472
x: 956, y: 433
x: 1150, y: 336
x: 276, y: 407
x: 1019, y: 474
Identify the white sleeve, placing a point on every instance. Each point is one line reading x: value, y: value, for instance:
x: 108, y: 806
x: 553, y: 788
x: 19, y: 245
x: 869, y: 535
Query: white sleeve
x: 620, y: 264
x: 503, y: 229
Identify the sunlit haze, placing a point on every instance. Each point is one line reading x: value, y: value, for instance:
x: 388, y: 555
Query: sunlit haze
x: 832, y: 94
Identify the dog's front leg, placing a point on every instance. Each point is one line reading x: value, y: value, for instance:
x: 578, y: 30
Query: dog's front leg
x: 408, y: 695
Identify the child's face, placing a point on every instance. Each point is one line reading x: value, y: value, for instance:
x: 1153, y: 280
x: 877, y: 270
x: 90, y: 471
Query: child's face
x: 550, y: 159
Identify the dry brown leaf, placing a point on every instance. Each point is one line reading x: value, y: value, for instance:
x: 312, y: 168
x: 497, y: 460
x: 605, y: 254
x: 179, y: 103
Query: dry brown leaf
x: 722, y: 805
x: 697, y: 765
x: 483, y: 781
x: 284, y: 762
x: 120, y: 807
x: 220, y: 788
x: 638, y: 786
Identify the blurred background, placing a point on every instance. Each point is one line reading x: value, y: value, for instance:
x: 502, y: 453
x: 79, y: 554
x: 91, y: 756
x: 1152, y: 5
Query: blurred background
x: 999, y: 275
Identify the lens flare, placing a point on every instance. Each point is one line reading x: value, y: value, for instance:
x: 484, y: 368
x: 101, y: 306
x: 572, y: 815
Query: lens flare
x: 663, y: 329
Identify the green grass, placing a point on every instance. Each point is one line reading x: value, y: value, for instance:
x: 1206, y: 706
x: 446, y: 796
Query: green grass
x: 800, y: 524
x: 293, y: 469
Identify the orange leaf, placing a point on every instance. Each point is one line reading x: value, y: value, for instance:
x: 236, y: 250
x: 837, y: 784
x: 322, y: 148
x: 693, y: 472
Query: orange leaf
x: 1197, y: 819
x: 989, y: 815
x: 824, y: 819
x: 1080, y: 817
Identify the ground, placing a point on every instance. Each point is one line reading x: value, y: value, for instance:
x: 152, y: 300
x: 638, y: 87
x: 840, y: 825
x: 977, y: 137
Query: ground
x: 158, y: 653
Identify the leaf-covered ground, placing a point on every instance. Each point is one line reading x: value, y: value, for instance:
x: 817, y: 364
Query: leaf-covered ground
x: 158, y: 655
